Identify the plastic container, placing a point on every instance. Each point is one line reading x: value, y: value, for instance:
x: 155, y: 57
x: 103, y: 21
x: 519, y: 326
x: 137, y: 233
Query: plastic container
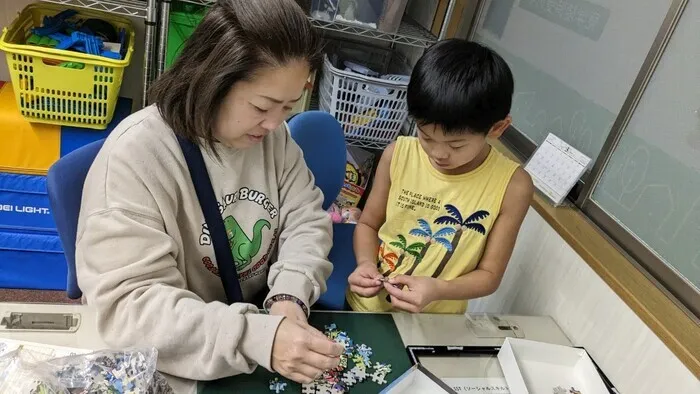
x: 184, y: 18
x: 384, y: 15
x: 370, y: 109
x: 48, y: 93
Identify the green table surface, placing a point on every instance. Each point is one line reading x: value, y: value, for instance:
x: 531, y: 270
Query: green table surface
x: 377, y: 331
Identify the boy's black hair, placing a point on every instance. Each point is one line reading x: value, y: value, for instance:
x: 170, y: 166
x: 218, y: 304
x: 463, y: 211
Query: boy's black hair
x: 461, y: 86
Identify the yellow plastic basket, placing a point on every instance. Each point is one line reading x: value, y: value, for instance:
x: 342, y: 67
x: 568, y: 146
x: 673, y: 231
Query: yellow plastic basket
x: 47, y: 93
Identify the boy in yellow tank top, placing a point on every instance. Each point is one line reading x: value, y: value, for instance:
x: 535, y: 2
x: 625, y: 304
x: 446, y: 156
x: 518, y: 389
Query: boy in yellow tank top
x: 445, y: 208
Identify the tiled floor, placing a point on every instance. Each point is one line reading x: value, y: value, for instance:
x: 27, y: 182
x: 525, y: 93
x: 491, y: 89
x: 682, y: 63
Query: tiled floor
x: 54, y: 297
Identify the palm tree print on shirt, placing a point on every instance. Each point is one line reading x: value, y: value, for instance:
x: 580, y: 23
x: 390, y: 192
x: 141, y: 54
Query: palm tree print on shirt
x: 389, y: 258
x: 404, y: 249
x: 455, y: 219
x: 438, y: 237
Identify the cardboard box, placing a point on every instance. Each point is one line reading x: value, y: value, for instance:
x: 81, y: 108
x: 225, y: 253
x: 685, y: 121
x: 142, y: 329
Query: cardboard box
x: 417, y: 380
x: 358, y: 169
x: 532, y: 367
x: 350, y: 196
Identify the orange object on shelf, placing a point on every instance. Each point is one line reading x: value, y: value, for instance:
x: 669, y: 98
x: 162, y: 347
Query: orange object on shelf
x: 25, y: 148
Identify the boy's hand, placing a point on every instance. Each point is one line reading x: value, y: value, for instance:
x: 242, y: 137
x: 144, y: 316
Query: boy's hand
x: 365, y: 281
x: 422, y: 290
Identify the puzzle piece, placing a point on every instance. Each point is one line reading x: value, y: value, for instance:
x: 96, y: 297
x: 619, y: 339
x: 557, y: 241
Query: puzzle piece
x: 330, y: 377
x: 331, y: 331
x: 349, y: 378
x: 343, y: 338
x: 339, y: 380
x: 359, y: 360
x: 324, y: 389
x: 360, y: 373
x: 382, y: 368
x: 379, y: 378
x: 363, y: 350
x: 308, y: 388
x: 362, y: 362
x: 277, y: 386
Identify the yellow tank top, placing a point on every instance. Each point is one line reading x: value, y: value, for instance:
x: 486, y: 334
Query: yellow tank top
x: 436, y: 224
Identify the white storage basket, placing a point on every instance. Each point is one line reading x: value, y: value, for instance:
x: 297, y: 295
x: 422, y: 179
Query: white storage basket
x: 371, y: 110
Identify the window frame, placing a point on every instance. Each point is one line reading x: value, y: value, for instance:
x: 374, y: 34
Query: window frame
x: 662, y: 275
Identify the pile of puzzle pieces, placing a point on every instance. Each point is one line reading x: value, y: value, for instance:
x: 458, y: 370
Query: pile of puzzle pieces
x: 341, y: 379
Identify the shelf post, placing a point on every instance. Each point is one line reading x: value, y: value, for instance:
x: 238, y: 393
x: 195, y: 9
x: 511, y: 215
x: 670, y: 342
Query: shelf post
x: 148, y: 59
x: 448, y: 18
x: 163, y: 35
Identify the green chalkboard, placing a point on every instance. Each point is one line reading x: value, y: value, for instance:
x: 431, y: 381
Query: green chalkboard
x: 377, y: 331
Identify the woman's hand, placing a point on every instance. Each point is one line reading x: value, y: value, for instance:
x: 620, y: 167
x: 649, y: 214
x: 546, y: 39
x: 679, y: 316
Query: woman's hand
x: 289, y: 309
x: 365, y: 280
x: 301, y: 353
x: 292, y: 310
x: 422, y: 290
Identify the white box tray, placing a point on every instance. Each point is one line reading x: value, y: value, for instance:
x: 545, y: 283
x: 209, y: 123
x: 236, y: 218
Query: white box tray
x: 417, y: 380
x: 532, y: 367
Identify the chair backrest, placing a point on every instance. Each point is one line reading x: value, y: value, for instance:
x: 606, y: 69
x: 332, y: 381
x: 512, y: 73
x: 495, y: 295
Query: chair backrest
x: 320, y: 136
x: 65, y: 188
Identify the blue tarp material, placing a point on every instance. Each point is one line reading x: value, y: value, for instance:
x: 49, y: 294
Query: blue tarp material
x: 24, y: 204
x: 32, y: 261
x: 31, y: 256
x: 73, y: 138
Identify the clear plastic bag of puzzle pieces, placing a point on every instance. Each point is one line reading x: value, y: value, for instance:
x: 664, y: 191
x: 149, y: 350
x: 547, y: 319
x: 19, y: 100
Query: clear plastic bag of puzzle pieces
x: 26, y: 371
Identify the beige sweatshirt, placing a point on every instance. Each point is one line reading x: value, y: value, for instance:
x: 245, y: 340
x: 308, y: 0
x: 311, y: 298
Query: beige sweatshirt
x: 144, y: 256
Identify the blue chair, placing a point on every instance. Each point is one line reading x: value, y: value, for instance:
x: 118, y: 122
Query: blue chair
x: 343, y: 258
x: 64, y: 184
x: 317, y: 133
x: 321, y: 138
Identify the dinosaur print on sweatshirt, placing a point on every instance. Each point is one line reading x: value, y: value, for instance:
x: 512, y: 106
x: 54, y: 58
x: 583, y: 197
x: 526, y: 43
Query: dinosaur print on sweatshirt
x: 251, y: 220
x: 243, y: 247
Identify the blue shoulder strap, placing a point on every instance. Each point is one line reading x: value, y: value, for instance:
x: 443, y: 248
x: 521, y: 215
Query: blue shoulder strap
x: 215, y: 224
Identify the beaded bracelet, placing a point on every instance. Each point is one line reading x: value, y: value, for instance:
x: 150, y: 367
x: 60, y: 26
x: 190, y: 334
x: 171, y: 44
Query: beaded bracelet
x: 286, y: 297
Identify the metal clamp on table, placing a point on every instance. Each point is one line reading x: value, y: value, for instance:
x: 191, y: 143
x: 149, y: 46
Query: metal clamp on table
x: 42, y: 322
